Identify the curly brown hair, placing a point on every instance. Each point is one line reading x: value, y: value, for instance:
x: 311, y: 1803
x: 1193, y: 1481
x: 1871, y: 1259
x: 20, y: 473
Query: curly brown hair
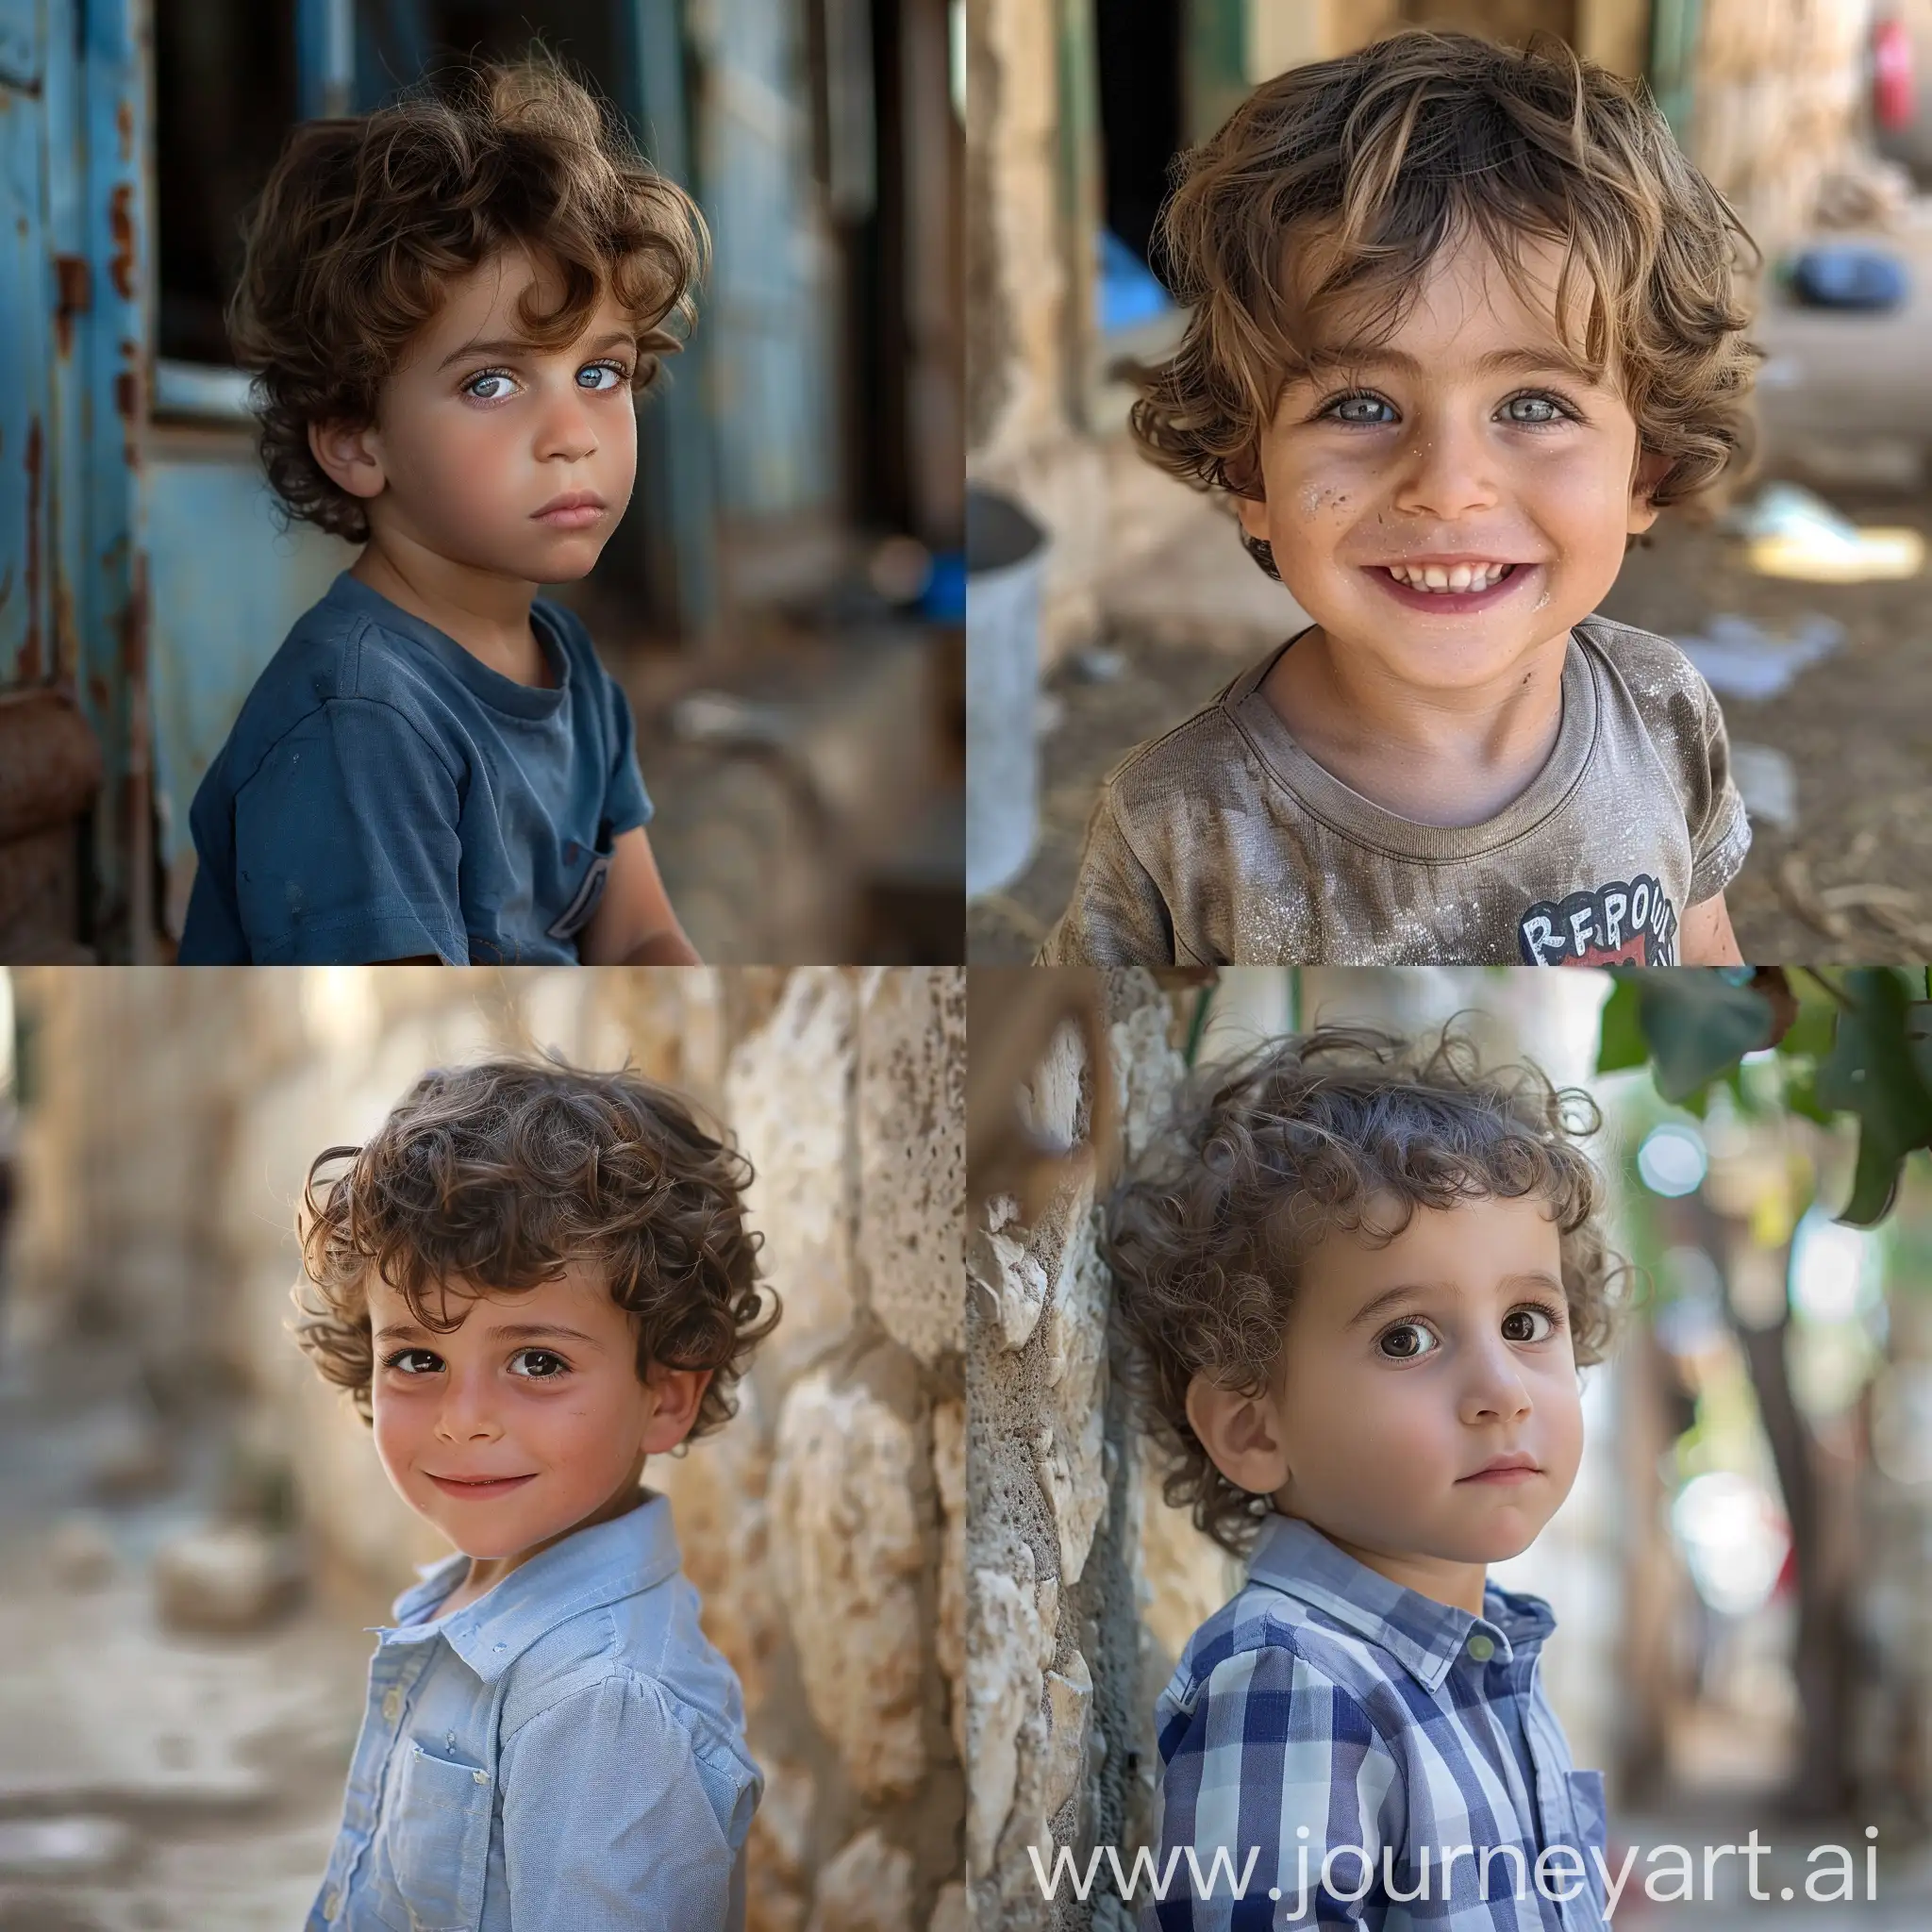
x: 1385, y: 156
x: 364, y: 224
x: 496, y: 1176
x: 1206, y: 1233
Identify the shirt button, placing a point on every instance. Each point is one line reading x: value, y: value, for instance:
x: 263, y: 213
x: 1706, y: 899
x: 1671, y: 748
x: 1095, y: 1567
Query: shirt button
x: 1482, y: 1648
x: 392, y: 1705
x: 482, y: 1777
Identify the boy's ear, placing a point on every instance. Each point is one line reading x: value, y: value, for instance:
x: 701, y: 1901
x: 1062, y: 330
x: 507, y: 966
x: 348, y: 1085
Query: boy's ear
x: 1253, y: 513
x: 1651, y: 470
x: 1239, y: 1434
x: 350, y: 457
x: 678, y: 1393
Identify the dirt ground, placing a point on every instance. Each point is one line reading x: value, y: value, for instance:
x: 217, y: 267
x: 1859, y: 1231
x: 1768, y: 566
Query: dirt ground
x: 1851, y: 882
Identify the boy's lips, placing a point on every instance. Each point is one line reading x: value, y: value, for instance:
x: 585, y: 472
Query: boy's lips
x: 1516, y: 1467
x: 476, y: 1489
x: 572, y: 512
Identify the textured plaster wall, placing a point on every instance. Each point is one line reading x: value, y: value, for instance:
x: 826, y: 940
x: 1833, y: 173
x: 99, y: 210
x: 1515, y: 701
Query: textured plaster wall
x: 824, y: 1526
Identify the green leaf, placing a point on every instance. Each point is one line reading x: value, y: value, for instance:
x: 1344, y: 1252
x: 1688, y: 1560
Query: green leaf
x: 1698, y: 1026
x: 1874, y: 1069
x: 1620, y: 1039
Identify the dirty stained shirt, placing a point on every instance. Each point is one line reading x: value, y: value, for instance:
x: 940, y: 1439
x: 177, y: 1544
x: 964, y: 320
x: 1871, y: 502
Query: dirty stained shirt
x: 1326, y: 1706
x: 565, y: 1754
x: 1224, y: 843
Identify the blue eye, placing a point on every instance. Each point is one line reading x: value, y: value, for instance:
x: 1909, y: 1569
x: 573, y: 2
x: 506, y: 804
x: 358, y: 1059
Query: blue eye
x: 473, y: 388
x: 1559, y: 411
x: 615, y: 370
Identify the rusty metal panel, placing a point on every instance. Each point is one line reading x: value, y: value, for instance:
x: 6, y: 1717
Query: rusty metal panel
x: 27, y: 306
x: 116, y: 353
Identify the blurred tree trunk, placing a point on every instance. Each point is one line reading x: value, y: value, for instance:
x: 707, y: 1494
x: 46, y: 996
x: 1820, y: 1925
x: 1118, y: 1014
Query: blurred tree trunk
x: 1822, y: 1530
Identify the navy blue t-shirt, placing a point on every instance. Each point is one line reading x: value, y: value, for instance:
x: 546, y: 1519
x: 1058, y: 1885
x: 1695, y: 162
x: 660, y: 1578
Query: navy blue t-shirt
x: 384, y: 795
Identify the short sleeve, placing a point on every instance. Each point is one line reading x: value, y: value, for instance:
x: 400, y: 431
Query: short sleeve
x: 346, y: 844
x: 615, y: 1819
x: 1116, y: 916
x: 626, y: 804
x: 1720, y: 832
x: 1269, y: 1746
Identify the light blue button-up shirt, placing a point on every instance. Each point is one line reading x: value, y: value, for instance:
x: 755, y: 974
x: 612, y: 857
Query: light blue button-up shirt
x: 567, y: 1754
x: 1326, y: 1706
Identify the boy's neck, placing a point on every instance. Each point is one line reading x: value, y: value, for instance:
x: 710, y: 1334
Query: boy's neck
x: 490, y: 616
x: 1451, y: 757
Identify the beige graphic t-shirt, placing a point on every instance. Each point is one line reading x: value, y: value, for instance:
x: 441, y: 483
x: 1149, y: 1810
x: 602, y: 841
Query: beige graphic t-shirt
x: 1225, y: 843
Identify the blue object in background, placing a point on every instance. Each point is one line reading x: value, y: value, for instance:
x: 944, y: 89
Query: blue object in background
x: 1844, y: 275
x: 1127, y: 290
x: 944, y: 600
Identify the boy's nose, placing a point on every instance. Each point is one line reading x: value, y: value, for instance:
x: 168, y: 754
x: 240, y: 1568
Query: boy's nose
x: 1447, y: 472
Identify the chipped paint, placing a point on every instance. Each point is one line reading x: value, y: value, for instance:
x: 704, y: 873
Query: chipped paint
x: 121, y: 227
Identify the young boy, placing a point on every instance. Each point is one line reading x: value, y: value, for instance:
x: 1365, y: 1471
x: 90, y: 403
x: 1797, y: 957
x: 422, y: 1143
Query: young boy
x: 1462, y: 323
x: 1356, y: 1285
x: 449, y: 307
x: 530, y: 1280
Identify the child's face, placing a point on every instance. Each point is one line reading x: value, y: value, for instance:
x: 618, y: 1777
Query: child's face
x: 477, y: 435
x: 540, y: 1386
x: 1406, y: 1370
x: 1448, y: 454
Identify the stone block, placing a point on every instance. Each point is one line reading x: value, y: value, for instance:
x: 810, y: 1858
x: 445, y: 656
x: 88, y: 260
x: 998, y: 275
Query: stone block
x: 789, y: 1092
x: 848, y: 1546
x: 1006, y: 1647
x: 717, y: 1488
x: 1069, y: 1702
x: 866, y: 1886
x: 912, y: 1155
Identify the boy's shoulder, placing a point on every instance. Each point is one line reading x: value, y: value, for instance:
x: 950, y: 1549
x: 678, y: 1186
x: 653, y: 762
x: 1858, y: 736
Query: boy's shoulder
x: 1655, y: 672
x: 1261, y: 1617
x: 1203, y: 756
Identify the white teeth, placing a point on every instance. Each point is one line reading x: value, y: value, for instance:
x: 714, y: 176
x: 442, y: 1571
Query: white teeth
x: 1458, y: 577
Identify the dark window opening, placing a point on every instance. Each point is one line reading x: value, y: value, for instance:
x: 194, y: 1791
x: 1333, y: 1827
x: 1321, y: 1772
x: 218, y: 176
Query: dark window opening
x: 1142, y: 80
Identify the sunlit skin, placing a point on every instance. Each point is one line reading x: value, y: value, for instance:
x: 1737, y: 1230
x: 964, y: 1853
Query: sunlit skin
x: 476, y: 432
x: 1404, y: 1370
x: 1429, y: 443
x: 510, y: 1394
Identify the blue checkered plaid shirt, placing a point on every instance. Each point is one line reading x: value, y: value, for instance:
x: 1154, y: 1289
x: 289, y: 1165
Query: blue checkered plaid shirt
x: 1326, y: 1706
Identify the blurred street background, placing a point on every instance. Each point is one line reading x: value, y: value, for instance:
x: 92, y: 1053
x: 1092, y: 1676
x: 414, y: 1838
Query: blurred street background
x: 197, y: 1536
x: 783, y: 600
x: 1814, y: 117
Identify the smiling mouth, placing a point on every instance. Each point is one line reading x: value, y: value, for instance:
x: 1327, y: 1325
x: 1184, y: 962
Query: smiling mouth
x: 493, y: 1485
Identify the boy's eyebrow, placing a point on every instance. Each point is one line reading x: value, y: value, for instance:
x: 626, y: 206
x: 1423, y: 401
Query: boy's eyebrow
x: 513, y: 1331
x: 517, y: 346
x: 1368, y: 356
x: 1407, y: 1290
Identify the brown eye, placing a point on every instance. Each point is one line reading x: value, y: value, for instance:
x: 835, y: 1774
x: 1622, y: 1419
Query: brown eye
x: 1406, y: 1341
x: 1520, y: 1325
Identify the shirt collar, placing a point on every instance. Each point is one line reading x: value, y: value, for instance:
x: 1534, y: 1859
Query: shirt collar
x: 1423, y: 1634
x: 603, y: 1564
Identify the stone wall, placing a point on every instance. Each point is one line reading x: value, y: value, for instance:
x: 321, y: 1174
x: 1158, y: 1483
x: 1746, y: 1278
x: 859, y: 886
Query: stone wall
x: 176, y: 1114
x: 1061, y: 1667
